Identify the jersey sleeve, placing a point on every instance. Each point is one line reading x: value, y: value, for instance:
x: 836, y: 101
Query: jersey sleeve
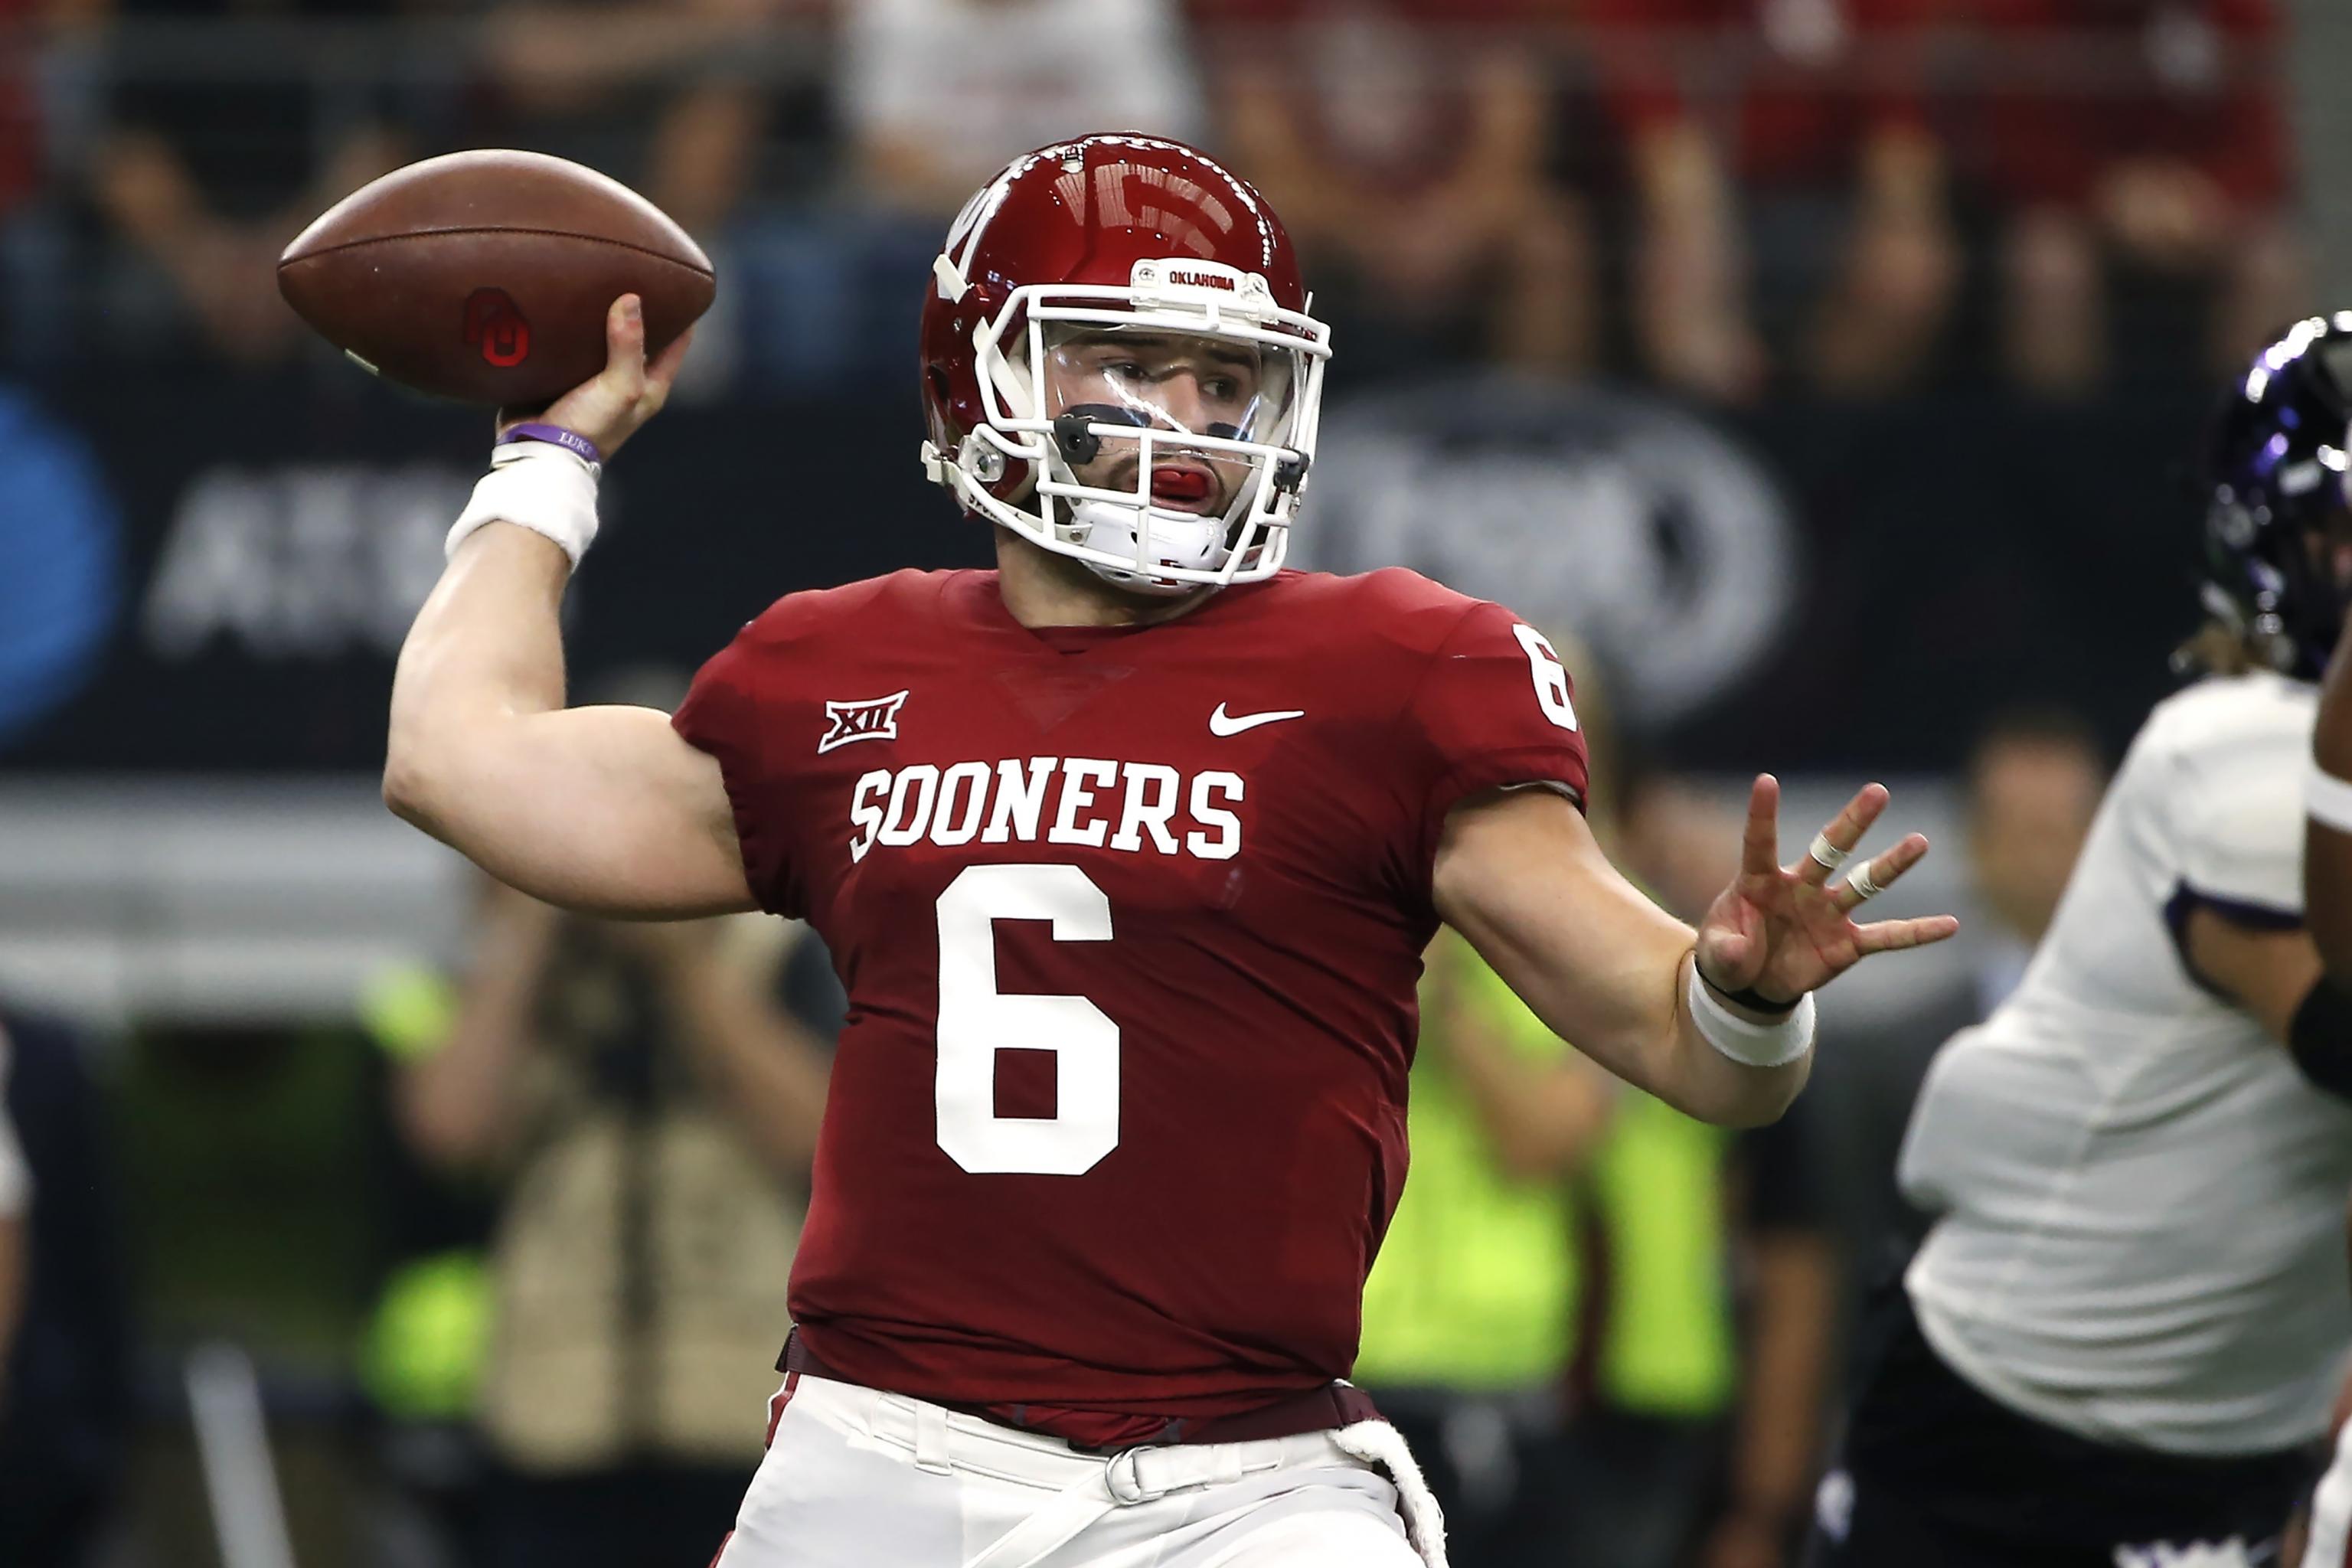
x: 2236, y: 815
x: 729, y: 713
x: 1494, y: 706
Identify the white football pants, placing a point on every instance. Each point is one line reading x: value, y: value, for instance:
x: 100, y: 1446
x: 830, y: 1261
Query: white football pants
x: 856, y: 1478
x: 2329, y: 1545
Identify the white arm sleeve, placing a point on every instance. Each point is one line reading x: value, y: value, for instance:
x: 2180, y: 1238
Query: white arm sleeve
x: 2237, y: 813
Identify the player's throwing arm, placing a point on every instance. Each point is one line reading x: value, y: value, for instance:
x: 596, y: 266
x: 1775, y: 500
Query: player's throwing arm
x: 1716, y: 1022
x: 603, y: 809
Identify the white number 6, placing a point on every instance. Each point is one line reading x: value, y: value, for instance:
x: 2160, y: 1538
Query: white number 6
x: 977, y: 1021
x: 1550, y: 674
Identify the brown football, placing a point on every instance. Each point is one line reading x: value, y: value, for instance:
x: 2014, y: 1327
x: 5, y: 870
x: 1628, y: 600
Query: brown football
x: 486, y: 276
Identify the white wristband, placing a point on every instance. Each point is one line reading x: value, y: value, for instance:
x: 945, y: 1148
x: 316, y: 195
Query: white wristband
x: 2326, y: 799
x: 1748, y: 1043
x: 538, y: 486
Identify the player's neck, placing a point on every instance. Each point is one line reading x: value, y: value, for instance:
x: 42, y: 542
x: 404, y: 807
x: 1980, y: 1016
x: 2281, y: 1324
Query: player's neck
x: 1043, y: 589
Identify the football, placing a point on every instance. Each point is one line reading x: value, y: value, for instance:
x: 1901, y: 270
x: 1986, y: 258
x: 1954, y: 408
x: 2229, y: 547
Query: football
x: 486, y: 276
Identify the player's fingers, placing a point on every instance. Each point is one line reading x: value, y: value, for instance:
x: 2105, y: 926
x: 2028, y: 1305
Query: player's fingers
x: 1890, y: 936
x: 1876, y: 875
x: 1759, y: 843
x: 1832, y: 844
x: 624, y: 347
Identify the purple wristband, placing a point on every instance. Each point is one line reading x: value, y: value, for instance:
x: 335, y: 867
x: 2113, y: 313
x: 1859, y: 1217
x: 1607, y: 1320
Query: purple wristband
x: 571, y: 441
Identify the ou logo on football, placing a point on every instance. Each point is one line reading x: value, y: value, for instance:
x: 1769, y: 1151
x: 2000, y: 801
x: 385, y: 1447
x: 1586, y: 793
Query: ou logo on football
x: 493, y: 322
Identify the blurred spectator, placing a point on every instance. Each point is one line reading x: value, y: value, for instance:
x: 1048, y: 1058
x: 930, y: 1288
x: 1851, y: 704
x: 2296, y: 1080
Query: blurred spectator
x: 20, y: 113
x: 934, y: 95
x: 1470, y: 1311
x: 1698, y: 1435
x: 1468, y: 1314
x: 653, y: 1114
x: 1785, y: 1250
x: 2033, y: 781
x: 26, y: 26
x: 37, y: 134
x: 2035, y: 778
x: 661, y: 94
x: 65, y: 1379
x: 208, y: 173
x: 2150, y: 132
x: 1407, y: 145
x: 1564, y: 1235
x: 1826, y: 140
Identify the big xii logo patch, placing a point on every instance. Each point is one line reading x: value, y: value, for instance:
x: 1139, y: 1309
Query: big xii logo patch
x: 875, y: 719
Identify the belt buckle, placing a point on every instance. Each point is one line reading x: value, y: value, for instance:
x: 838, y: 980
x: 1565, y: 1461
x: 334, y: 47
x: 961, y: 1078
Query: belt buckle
x: 1124, y: 1481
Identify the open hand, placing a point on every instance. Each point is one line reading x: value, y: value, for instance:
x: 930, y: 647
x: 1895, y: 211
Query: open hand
x: 1781, y: 931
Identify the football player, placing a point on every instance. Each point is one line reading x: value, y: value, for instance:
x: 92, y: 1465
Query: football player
x: 1127, y: 852
x: 2121, y: 1337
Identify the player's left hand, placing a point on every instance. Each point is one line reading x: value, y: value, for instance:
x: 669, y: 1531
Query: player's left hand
x: 1783, y: 931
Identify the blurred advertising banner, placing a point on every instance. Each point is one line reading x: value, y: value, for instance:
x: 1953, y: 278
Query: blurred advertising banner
x: 1800, y: 586
x: 213, y: 573
x: 277, y: 535
x: 1657, y: 541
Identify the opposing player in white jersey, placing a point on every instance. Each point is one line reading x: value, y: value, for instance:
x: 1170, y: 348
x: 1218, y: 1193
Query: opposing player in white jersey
x: 2121, y: 1339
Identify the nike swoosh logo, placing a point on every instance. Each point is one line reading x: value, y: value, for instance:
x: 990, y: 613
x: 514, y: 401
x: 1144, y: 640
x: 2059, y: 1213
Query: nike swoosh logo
x: 1223, y: 723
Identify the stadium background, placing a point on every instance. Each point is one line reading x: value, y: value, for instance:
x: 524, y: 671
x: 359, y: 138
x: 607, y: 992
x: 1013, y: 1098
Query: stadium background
x: 1829, y: 368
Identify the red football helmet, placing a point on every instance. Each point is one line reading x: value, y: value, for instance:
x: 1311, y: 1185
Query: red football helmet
x: 1122, y: 302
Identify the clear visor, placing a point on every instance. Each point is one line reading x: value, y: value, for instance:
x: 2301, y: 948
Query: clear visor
x: 1180, y: 421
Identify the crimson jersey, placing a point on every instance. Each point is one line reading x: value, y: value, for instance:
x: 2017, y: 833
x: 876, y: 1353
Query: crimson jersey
x: 1131, y: 921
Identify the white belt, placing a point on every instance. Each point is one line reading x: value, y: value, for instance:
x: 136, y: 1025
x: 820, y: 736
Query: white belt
x: 1087, y: 1487
x: 1140, y: 1476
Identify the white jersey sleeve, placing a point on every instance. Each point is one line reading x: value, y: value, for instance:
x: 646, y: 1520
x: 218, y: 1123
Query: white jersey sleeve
x: 2233, y: 780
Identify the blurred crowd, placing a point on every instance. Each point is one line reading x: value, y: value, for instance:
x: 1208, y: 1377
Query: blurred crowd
x: 1725, y: 196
